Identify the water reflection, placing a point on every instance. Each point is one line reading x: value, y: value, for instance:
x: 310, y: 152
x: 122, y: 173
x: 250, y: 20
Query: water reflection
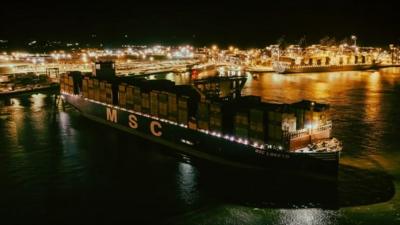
x: 187, y: 182
x: 306, y: 216
x: 289, y: 88
x: 13, y: 117
x: 37, y: 101
x: 372, y: 97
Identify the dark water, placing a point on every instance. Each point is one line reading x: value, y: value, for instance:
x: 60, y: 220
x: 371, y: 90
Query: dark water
x: 59, y: 168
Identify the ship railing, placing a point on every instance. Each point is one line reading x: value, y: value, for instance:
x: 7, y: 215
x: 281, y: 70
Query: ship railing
x: 306, y: 132
x: 297, y: 133
x: 324, y: 127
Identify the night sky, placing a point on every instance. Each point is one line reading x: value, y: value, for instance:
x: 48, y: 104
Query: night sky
x: 246, y: 23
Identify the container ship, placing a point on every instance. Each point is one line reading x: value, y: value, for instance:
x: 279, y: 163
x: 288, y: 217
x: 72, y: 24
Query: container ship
x: 317, y: 58
x: 234, y: 130
x: 284, y: 67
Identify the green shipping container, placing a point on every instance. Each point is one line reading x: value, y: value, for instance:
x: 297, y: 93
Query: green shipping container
x: 90, y: 89
x: 172, y: 107
x: 154, y: 103
x: 109, y: 94
x: 163, y: 105
x: 145, y: 106
x: 203, y: 117
x: 241, y: 125
x: 96, y: 90
x: 137, y: 99
x: 216, y: 122
x: 129, y: 97
x: 183, y: 113
x: 256, y: 126
x: 122, y: 99
x: 182, y: 116
x: 102, y: 85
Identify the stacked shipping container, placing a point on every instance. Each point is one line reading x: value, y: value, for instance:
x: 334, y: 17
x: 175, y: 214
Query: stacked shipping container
x: 247, y: 117
x: 122, y: 95
x: 203, y: 118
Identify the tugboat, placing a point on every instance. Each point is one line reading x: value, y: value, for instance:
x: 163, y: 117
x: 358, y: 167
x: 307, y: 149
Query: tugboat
x: 210, y: 120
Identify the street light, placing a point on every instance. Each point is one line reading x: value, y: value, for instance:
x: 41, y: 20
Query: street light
x: 312, y: 117
x: 354, y: 38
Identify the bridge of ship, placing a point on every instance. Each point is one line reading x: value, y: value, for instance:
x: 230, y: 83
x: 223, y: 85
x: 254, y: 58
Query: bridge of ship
x: 230, y: 86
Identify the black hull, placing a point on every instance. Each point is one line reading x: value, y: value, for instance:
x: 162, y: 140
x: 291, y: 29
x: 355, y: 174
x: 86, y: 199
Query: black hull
x: 319, y: 69
x: 206, y: 146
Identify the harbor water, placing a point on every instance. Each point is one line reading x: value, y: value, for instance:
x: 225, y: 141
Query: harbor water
x: 57, y: 167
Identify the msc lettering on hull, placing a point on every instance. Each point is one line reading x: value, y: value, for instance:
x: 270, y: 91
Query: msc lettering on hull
x: 133, y: 121
x: 153, y: 130
x: 154, y: 126
x: 112, y: 115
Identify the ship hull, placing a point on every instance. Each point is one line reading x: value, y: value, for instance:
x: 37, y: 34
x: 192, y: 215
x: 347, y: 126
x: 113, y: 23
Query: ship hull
x: 203, y: 145
x: 318, y: 69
